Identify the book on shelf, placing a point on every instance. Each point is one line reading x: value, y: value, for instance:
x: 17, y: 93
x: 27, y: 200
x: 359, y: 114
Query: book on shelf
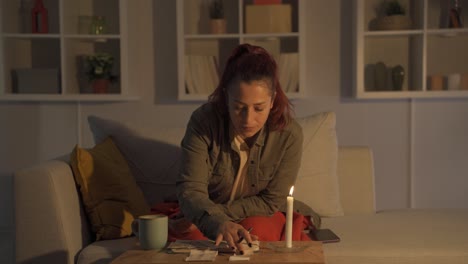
x: 189, y: 83
x: 288, y: 67
x: 267, y: 2
x: 272, y: 45
x: 201, y: 74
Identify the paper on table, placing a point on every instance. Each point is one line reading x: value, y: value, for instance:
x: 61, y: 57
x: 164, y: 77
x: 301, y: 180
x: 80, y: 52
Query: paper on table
x: 184, y: 246
x: 255, y: 246
x: 238, y: 258
x: 202, y: 255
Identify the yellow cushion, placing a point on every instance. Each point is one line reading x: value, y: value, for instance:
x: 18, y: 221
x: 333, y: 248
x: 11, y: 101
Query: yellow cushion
x: 110, y: 194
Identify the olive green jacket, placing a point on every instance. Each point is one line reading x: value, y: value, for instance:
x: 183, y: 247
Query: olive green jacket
x: 210, y: 164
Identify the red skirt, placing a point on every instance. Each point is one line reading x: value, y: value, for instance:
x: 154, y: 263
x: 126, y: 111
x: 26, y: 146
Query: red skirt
x: 267, y: 228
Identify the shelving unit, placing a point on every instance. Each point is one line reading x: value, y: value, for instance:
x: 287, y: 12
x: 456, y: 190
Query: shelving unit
x: 62, y: 49
x: 202, y: 55
x: 428, y: 51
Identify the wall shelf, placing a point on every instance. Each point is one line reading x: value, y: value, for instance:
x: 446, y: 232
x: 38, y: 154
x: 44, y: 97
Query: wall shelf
x: 198, y: 47
x: 68, y: 98
x: 432, y: 55
x: 63, y: 49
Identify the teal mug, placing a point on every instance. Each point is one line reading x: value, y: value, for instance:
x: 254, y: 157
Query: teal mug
x: 151, y: 231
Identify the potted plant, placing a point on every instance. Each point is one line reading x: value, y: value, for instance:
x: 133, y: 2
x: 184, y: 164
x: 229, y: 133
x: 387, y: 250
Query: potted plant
x: 393, y: 16
x: 217, y: 21
x: 100, y: 71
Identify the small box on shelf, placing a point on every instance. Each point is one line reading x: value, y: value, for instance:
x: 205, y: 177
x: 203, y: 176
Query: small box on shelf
x: 268, y: 19
x: 464, y: 82
x: 450, y: 82
x: 435, y: 82
x: 36, y: 81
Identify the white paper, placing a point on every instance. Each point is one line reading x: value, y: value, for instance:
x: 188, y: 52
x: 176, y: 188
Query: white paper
x: 255, y: 245
x: 202, y: 255
x: 239, y: 258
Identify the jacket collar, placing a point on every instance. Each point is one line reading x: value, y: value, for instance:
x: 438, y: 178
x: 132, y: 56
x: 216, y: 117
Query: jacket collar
x: 259, y: 141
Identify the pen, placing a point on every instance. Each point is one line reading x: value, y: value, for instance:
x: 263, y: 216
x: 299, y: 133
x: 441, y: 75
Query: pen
x: 242, y: 238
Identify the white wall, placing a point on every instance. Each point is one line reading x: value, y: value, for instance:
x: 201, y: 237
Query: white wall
x: 420, y: 146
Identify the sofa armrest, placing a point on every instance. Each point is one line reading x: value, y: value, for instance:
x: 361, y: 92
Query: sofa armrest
x: 51, y: 226
x: 356, y: 179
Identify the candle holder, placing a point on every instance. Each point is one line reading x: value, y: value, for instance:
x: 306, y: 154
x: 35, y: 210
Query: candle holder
x: 280, y: 246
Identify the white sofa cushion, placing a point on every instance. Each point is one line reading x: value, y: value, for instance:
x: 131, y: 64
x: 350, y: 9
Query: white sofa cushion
x: 317, y: 181
x: 154, y: 158
x: 356, y: 179
x: 400, y: 236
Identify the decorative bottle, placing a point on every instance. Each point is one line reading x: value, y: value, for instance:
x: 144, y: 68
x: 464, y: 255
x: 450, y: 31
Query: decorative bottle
x: 398, y: 76
x: 98, y: 25
x: 455, y: 20
x: 39, y: 18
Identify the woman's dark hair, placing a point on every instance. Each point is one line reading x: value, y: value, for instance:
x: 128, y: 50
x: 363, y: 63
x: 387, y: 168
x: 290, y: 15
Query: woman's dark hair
x: 250, y: 63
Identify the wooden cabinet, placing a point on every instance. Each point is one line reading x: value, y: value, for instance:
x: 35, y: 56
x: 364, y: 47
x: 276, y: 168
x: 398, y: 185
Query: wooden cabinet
x: 202, y: 52
x: 429, y: 52
x: 50, y: 66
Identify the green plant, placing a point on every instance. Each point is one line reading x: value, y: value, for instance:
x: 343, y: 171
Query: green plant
x: 100, y: 66
x: 393, y: 7
x: 216, y: 9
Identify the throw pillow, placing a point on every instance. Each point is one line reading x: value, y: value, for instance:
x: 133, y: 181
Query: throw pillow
x: 317, y: 182
x: 153, y: 158
x: 110, y: 195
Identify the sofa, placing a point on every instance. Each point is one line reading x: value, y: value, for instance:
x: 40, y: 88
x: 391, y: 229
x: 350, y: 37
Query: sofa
x: 52, y: 225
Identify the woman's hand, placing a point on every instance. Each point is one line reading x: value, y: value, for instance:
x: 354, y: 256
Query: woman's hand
x: 233, y: 234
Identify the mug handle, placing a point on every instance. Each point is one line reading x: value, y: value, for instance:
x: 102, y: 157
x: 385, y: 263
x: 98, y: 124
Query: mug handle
x: 135, y: 227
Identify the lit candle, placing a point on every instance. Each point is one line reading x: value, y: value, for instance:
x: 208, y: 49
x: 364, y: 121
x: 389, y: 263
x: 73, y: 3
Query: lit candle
x: 289, y: 218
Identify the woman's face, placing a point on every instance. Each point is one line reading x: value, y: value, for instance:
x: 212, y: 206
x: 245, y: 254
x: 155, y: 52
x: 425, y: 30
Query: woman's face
x: 249, y: 105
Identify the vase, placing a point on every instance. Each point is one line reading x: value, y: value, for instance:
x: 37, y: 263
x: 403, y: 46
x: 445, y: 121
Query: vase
x: 218, y: 26
x: 455, y: 16
x: 453, y: 81
x: 398, y: 76
x: 100, y: 86
x: 39, y: 18
x: 380, y: 76
x: 98, y: 25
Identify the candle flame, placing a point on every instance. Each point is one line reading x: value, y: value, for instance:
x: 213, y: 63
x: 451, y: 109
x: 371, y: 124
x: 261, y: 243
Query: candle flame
x: 291, y: 190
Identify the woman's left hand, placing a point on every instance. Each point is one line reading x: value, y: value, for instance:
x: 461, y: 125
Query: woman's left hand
x: 233, y: 234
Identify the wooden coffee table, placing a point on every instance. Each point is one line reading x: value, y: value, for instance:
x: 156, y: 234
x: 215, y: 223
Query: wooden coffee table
x: 312, y: 253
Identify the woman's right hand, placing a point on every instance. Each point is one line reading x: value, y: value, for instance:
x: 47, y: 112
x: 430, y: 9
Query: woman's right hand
x: 233, y: 234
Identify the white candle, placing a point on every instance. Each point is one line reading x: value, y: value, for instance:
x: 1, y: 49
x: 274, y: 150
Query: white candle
x: 289, y: 218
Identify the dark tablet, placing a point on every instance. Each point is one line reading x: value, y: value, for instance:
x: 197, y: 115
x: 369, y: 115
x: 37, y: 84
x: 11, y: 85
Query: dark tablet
x: 324, y: 235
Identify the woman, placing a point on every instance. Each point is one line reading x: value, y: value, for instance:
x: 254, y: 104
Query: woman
x: 242, y: 149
